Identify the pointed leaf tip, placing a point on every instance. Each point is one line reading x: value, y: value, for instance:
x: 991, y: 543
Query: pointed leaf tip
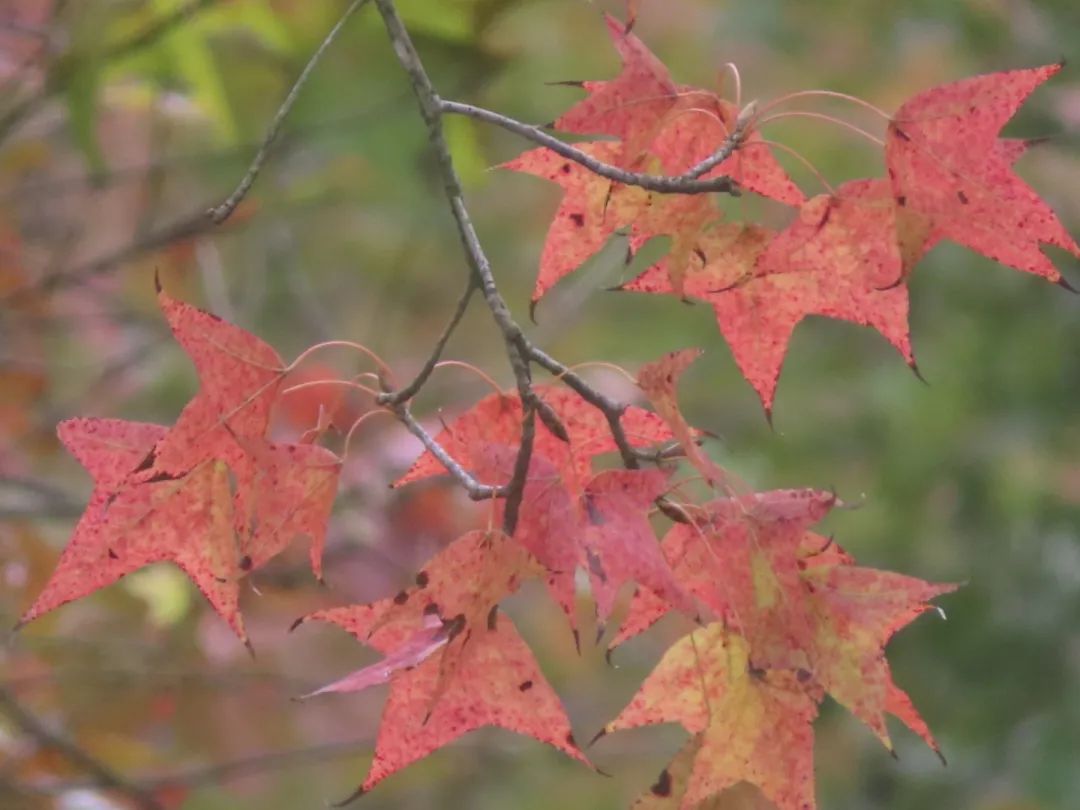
x: 352, y: 797
x: 915, y: 370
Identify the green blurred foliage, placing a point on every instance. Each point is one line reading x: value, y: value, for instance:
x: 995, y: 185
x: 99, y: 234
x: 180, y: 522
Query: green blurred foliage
x: 114, y: 127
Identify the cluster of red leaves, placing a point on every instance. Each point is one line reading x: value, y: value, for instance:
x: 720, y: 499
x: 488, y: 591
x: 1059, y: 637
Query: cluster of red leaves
x: 845, y: 255
x: 785, y: 616
x: 782, y: 616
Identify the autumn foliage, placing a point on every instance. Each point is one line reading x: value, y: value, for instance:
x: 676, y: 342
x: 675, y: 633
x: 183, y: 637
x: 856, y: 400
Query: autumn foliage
x: 781, y: 615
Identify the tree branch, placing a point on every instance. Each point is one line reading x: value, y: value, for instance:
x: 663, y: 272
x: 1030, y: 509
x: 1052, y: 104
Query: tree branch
x: 222, y: 212
x: 102, y: 774
x: 180, y: 229
x: 517, y: 346
x: 687, y: 183
x: 611, y: 409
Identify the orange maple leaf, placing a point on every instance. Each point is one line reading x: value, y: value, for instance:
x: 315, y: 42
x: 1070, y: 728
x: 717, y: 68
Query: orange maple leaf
x: 754, y: 725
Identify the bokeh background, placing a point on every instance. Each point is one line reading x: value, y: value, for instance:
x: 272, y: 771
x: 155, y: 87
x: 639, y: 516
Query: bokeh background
x: 122, y: 120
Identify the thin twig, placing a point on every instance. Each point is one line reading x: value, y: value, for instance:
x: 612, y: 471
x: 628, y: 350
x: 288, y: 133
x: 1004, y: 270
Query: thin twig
x: 611, y: 409
x: 46, y: 737
x: 220, y: 213
x: 687, y: 183
x: 431, y: 111
x: 219, y: 772
x: 476, y: 490
x: 515, y: 490
x: 180, y: 229
x: 158, y: 28
x: 410, y: 390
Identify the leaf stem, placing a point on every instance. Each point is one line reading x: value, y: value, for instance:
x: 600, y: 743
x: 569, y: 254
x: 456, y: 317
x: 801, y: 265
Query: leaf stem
x: 381, y: 365
x: 776, y: 102
x: 477, y: 371
x: 821, y: 117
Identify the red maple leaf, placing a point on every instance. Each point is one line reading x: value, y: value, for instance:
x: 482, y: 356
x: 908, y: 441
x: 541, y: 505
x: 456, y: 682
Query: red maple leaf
x: 659, y: 380
x: 677, y: 124
x: 591, y: 210
x: 631, y: 106
x: 619, y: 541
x: 186, y: 520
x: 163, y: 494
x: 947, y: 165
x: 600, y: 524
x: 441, y: 640
x: 839, y: 258
x: 662, y: 128
x: 740, y: 557
x: 855, y: 613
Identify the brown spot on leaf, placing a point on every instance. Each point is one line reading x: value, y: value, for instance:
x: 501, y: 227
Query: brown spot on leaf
x: 162, y: 476
x: 454, y: 626
x: 578, y: 220
x: 148, y: 461
x: 401, y: 598
x: 525, y: 686
x: 422, y: 579
x: 663, y: 784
